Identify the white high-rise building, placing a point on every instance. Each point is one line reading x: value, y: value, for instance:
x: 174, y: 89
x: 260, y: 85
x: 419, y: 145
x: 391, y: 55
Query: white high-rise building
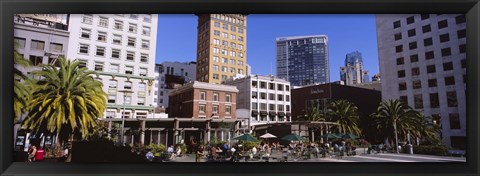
x: 423, y: 63
x: 121, y: 48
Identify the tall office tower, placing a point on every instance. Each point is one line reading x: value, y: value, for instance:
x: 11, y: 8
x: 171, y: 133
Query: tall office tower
x: 121, y: 48
x: 352, y: 73
x: 366, y: 77
x: 423, y: 63
x: 303, y: 60
x: 221, y: 47
x: 172, y: 75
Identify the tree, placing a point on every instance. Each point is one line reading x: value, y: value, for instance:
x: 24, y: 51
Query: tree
x: 66, y: 101
x: 313, y: 114
x: 21, y: 93
x: 346, y: 115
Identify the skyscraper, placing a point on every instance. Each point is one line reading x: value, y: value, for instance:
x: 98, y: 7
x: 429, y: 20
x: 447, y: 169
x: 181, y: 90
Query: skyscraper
x: 221, y: 47
x: 303, y: 60
x: 423, y: 63
x: 353, y: 72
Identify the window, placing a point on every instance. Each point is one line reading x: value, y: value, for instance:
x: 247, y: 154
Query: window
x: 37, y: 45
x: 228, y: 109
x: 402, y: 86
x: 398, y: 36
x: 117, y: 39
x: 85, y: 33
x: 418, y: 101
x: 127, y: 85
x: 216, y: 41
x: 427, y: 42
x: 36, y: 60
x: 146, y: 30
x: 134, y: 16
x: 233, y: 37
x: 116, y: 53
x: 232, y: 61
x: 263, y: 96
x: 432, y: 83
x: 129, y: 70
x: 454, y: 121
x: 87, y: 19
x: 102, y: 36
x: 141, y: 89
x: 287, y: 88
x: 112, y: 98
x: 426, y: 28
x: 462, y: 48
x: 225, y: 26
x: 280, y: 108
x: 446, y: 52
x: 417, y: 84
x: 449, y: 80
x: 442, y: 24
x: 271, y: 96
x: 145, y: 44
x: 19, y: 42
x: 215, y: 96
x: 232, y: 70
x: 118, y: 25
x: 103, y: 22
x: 280, y: 87
x: 202, y: 95
x: 434, y: 101
x: 410, y: 20
x: 396, y: 24
x: 143, y: 71
x: 254, y: 95
x: 114, y: 68
x: 271, y: 107
x: 131, y: 41
x: 144, y: 58
x: 232, y: 53
x: 240, y: 63
x: 216, y: 32
x: 431, y: 69
x: 429, y: 55
x: 240, y: 30
x: 287, y: 98
x: 400, y: 61
x: 412, y: 45
x: 202, y: 108
x: 216, y: 50
x: 447, y: 66
x: 98, y: 66
x: 240, y: 55
x: 100, y: 51
x: 228, y: 98
x: 215, y: 109
x: 411, y: 33
x: 224, y: 69
x: 401, y: 73
x: 140, y: 100
x: 254, y: 106
x: 462, y: 33
x: 280, y: 97
x: 415, y: 71
x: 83, y: 63
x: 460, y: 19
x: 444, y: 38
x: 224, y: 43
x: 452, y: 99
x: 424, y: 16
x: 233, y: 45
x: 263, y: 85
x: 56, y: 47
x: 225, y: 35
x: 414, y: 58
x: 464, y: 63
x: 240, y: 47
x: 224, y: 52
x: 215, y: 59
x: 404, y: 99
x: 240, y: 38
x: 399, y: 48
x: 132, y: 28
x: 233, y: 28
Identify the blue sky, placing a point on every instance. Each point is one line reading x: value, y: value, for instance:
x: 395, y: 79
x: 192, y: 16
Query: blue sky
x: 177, y: 35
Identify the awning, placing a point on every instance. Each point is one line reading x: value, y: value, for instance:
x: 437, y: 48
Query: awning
x: 272, y: 113
x: 281, y: 114
x: 289, y: 114
x: 263, y: 113
x: 254, y: 112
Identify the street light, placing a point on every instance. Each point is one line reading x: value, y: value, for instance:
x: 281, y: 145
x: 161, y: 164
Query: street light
x: 125, y: 93
x: 396, y: 138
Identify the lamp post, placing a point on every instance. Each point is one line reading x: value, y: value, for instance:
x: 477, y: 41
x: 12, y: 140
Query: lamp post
x: 125, y: 92
x: 396, y: 138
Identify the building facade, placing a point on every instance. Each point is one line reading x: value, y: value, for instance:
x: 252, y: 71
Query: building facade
x: 121, y: 48
x: 203, y: 100
x: 221, y: 47
x: 171, y: 75
x: 303, y: 60
x: 267, y: 98
x: 353, y: 72
x: 423, y: 63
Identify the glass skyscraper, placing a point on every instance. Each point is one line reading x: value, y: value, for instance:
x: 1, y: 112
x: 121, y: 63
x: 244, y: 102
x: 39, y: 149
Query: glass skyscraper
x: 303, y: 60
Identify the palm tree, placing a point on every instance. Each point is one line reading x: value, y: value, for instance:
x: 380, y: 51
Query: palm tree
x: 313, y: 114
x: 21, y: 95
x: 66, y: 101
x: 346, y: 115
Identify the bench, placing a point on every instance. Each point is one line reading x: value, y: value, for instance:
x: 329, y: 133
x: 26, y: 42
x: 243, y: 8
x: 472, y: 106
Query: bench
x: 456, y: 152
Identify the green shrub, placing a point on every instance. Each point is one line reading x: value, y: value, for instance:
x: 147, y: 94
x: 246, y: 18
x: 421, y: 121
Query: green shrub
x: 156, y: 148
x: 430, y: 149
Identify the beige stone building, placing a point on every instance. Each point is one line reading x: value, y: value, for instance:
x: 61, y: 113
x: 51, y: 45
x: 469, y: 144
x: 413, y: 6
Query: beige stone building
x: 221, y: 47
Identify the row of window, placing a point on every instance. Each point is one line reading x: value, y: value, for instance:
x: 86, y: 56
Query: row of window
x: 434, y: 100
x: 226, y: 53
x: 447, y: 66
x: 228, y: 19
x: 430, y: 54
x: 215, y: 97
x: 115, y: 68
x: 115, y: 53
x: 271, y: 107
x: 417, y: 84
x: 103, y: 21
x: 128, y: 100
x: 225, y: 43
x: 215, y: 108
x: 116, y: 38
x: 271, y: 86
x: 441, y: 24
x: 453, y: 118
x: 38, y: 45
x: 429, y: 41
x: 225, y: 26
x: 271, y: 96
x: 126, y: 114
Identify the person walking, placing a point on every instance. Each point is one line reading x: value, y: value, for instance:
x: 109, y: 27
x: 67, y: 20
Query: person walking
x: 199, y: 154
x: 31, y: 153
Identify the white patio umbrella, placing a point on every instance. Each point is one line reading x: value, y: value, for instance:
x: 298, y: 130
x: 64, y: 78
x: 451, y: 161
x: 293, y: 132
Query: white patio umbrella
x: 268, y: 135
